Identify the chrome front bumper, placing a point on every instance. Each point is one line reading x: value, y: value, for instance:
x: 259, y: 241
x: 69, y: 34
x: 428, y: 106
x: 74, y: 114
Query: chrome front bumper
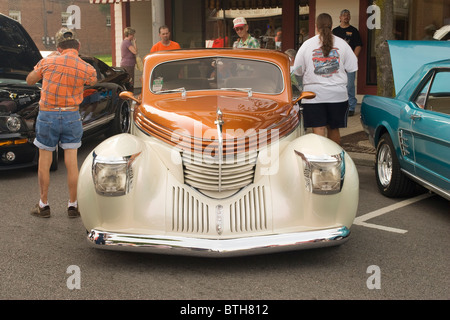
x: 218, y: 247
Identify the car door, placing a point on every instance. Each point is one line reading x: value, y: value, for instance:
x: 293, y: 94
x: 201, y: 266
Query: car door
x: 430, y: 127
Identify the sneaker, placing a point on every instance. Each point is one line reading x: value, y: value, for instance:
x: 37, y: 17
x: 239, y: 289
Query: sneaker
x: 44, y: 212
x: 351, y: 113
x: 73, y: 212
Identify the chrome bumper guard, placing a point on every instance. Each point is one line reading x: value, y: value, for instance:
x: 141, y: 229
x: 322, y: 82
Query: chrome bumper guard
x: 218, y: 247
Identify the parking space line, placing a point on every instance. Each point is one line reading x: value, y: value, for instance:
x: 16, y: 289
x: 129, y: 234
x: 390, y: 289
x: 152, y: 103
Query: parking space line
x: 361, y: 220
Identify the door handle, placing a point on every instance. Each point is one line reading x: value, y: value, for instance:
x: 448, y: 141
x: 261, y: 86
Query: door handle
x: 415, y: 117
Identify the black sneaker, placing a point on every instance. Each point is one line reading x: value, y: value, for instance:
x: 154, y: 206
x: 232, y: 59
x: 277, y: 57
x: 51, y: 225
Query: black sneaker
x: 73, y: 212
x: 44, y: 212
x: 351, y: 113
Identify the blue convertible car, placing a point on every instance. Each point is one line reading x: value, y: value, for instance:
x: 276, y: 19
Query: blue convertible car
x: 411, y: 132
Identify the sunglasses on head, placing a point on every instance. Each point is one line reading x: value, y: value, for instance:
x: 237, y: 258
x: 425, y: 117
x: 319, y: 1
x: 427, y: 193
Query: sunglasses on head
x: 239, y: 28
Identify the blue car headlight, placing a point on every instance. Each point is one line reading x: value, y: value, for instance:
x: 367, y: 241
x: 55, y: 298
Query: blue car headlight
x: 323, y: 174
x: 112, y: 176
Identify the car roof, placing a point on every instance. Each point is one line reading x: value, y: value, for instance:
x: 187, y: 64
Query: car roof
x: 414, y: 81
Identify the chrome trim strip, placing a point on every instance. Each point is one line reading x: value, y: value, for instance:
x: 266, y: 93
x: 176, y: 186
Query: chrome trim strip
x: 218, y: 247
x: 219, y: 123
x: 441, y: 192
x: 99, y: 122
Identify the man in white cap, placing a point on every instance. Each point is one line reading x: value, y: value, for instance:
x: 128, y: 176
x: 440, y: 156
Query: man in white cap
x: 245, y: 39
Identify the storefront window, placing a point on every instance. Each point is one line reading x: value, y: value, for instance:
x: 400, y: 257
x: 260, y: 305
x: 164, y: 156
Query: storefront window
x: 216, y: 29
x: 264, y: 22
x: 410, y: 23
x: 303, y: 23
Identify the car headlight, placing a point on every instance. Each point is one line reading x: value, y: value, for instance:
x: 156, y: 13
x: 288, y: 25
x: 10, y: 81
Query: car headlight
x: 323, y: 174
x: 13, y: 124
x: 112, y: 176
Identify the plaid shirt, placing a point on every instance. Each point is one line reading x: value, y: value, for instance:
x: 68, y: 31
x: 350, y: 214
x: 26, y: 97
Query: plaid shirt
x: 251, y: 42
x: 64, y: 77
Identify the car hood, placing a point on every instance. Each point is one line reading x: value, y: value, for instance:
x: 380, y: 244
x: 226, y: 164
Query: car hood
x: 185, y: 121
x: 18, y: 52
x: 408, y: 56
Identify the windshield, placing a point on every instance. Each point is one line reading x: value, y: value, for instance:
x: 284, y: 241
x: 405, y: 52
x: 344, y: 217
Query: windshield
x: 217, y: 73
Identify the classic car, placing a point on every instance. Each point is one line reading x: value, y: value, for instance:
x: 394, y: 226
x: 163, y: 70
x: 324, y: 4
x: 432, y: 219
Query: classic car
x: 217, y: 163
x: 102, y: 110
x: 411, y: 132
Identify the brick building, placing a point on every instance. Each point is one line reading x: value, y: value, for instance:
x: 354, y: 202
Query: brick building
x: 43, y: 18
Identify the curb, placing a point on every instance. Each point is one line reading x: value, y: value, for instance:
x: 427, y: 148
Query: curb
x: 363, y: 159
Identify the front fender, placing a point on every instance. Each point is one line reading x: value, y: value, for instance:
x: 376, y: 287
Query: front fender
x: 290, y: 195
x: 103, y: 211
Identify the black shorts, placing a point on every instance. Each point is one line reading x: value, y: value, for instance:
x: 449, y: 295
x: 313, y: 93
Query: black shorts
x: 332, y: 114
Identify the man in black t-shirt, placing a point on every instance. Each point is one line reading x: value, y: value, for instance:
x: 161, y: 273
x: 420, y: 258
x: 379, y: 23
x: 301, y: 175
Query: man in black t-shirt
x: 350, y: 34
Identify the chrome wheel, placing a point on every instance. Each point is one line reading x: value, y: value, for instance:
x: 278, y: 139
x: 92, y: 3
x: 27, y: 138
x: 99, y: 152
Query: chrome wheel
x: 384, y: 165
x: 390, y: 179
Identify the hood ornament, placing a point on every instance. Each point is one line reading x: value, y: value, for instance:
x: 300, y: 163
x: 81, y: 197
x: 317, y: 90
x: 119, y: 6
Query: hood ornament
x: 219, y: 119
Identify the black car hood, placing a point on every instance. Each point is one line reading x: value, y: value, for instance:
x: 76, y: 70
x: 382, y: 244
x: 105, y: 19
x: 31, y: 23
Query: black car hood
x: 18, y: 52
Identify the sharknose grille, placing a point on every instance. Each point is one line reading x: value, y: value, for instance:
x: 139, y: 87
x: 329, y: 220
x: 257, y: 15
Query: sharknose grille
x: 208, y: 174
x: 246, y: 214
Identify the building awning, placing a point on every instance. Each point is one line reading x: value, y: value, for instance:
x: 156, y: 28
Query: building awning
x: 221, y: 4
x: 244, y: 4
x: 112, y: 1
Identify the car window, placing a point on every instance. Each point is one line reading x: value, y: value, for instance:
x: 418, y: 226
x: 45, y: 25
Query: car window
x: 100, y: 75
x: 217, y: 73
x: 435, y: 94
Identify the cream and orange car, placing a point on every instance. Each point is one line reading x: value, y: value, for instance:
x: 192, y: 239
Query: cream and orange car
x: 217, y: 164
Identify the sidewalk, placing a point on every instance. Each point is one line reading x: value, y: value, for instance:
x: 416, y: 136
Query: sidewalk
x: 354, y: 140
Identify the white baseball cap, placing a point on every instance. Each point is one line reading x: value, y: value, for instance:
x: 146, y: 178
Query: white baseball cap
x: 239, y: 22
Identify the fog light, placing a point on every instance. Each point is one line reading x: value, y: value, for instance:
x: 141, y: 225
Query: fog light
x: 8, y: 156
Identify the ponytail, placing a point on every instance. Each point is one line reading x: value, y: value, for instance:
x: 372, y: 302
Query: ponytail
x: 324, y: 24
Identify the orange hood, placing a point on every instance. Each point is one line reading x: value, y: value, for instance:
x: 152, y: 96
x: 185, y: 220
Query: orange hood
x: 194, y: 118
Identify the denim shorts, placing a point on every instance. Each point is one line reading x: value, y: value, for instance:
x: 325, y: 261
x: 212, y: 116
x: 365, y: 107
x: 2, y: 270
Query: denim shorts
x: 63, y: 127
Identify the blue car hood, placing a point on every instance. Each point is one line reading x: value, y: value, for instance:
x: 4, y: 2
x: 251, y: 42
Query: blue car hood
x: 408, y: 56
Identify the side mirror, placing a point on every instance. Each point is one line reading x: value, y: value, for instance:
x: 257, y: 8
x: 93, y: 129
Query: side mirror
x: 128, y: 95
x: 305, y: 95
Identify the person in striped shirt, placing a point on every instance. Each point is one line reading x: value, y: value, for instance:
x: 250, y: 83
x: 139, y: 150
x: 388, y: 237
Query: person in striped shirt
x: 63, y: 74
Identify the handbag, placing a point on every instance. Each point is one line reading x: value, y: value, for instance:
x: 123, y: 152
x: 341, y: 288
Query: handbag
x: 139, y: 63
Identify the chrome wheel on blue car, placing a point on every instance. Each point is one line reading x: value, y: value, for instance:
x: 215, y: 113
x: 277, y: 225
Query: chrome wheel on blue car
x: 390, y: 180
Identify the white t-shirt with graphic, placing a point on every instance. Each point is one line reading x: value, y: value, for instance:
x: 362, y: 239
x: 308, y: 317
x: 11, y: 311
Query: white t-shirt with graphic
x: 325, y: 76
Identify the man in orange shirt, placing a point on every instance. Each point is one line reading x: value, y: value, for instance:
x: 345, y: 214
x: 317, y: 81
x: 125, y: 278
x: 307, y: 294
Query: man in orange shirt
x: 165, y: 43
x: 63, y: 75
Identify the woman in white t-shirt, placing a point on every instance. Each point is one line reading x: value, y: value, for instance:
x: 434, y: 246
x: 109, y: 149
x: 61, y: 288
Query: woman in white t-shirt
x: 323, y: 61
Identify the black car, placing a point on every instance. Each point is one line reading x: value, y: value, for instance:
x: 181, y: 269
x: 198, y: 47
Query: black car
x: 102, y: 111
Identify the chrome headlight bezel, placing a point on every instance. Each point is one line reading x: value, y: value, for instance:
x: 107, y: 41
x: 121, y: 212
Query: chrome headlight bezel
x: 112, y: 176
x: 13, y: 124
x: 323, y: 174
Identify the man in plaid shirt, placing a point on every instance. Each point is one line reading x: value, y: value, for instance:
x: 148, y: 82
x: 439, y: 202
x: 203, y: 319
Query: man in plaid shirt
x: 63, y: 76
x: 245, y: 39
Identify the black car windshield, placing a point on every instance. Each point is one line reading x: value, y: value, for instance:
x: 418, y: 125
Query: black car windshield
x: 217, y: 73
